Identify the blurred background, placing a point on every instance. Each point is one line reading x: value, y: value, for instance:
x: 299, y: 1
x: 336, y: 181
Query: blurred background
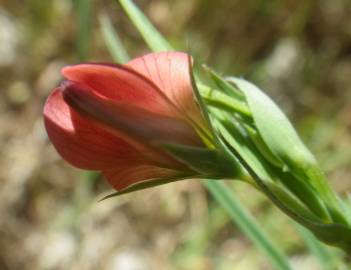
x: 50, y: 217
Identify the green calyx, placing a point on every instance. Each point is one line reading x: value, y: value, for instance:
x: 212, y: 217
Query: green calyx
x: 268, y: 147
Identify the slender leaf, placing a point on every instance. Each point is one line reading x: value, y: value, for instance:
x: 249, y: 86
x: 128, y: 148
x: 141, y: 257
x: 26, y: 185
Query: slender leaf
x: 246, y: 222
x: 225, y: 86
x: 147, y: 184
x: 83, y: 8
x: 218, y: 99
x: 235, y: 136
x: 152, y: 37
x: 112, y: 40
x: 321, y: 252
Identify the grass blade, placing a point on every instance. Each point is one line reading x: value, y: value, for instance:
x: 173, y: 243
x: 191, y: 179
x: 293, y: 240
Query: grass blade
x: 152, y: 37
x: 325, y: 258
x: 112, y: 40
x: 246, y: 222
x: 83, y: 9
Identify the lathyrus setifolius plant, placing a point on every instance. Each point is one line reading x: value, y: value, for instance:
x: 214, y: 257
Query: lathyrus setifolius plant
x: 265, y: 143
x: 149, y: 122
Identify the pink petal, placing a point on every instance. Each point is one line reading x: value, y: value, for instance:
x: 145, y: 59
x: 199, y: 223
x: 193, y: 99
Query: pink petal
x: 123, y: 177
x: 122, y: 84
x: 83, y: 143
x: 170, y: 71
x: 134, y: 124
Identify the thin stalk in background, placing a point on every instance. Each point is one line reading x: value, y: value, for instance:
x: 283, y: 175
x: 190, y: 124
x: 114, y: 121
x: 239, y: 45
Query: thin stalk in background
x: 247, y: 224
x: 327, y: 260
x: 83, y: 11
x: 152, y: 37
x: 112, y: 40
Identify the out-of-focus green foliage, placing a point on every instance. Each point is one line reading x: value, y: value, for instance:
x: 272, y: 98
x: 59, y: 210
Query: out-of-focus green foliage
x: 299, y: 50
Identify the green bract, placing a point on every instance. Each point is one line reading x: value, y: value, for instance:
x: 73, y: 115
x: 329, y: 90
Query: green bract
x: 267, y: 145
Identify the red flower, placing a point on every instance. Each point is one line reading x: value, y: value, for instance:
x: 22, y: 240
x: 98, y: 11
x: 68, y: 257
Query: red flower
x: 111, y: 117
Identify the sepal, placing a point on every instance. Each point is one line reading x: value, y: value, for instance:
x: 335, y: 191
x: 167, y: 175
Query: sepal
x: 209, y: 163
x: 145, y: 185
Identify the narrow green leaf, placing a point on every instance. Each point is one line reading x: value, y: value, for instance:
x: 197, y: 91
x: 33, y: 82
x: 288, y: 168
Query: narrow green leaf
x: 83, y: 8
x: 237, y: 138
x: 246, y: 223
x: 207, y: 132
x: 147, y: 184
x: 112, y: 40
x: 325, y: 257
x: 152, y: 37
x: 224, y: 86
x: 286, y: 196
x: 222, y: 101
x: 262, y: 147
x: 305, y: 193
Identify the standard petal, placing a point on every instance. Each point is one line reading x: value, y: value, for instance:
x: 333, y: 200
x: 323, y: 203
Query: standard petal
x: 136, y: 125
x: 170, y: 71
x: 83, y: 143
x: 123, y: 177
x: 121, y: 83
